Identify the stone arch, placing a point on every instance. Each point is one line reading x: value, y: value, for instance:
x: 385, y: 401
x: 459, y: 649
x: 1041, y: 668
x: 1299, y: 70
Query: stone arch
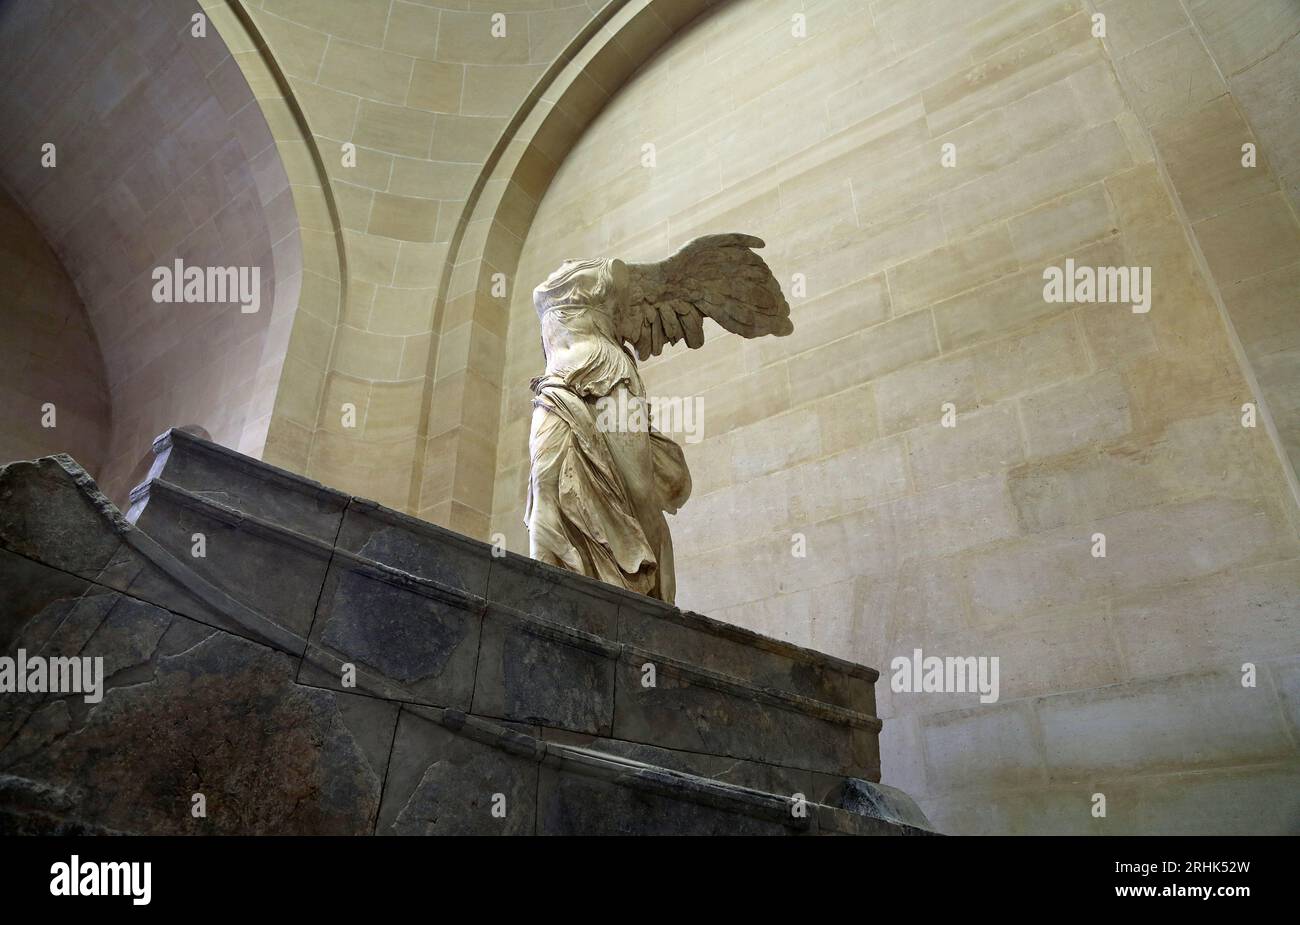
x: 162, y: 154
x: 379, y: 75
x: 462, y: 409
x: 47, y: 334
x: 309, y: 342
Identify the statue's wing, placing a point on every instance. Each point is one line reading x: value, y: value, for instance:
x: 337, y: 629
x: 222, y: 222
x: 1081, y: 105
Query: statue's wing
x: 716, y: 276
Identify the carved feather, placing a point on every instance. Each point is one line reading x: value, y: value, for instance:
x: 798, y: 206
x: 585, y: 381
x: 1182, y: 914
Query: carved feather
x: 716, y: 276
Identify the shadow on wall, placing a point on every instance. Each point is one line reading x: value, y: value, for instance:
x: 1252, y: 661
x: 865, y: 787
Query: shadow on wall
x: 135, y: 144
x: 53, y: 394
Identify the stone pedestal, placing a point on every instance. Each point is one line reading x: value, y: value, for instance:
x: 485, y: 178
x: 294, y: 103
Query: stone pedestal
x: 313, y: 662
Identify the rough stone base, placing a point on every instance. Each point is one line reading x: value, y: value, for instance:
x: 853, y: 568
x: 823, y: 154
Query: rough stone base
x: 492, y: 695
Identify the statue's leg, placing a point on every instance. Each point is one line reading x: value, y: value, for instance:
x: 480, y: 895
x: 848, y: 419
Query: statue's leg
x: 632, y: 453
x: 547, y: 541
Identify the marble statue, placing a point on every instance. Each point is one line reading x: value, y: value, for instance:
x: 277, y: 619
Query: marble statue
x: 597, y: 494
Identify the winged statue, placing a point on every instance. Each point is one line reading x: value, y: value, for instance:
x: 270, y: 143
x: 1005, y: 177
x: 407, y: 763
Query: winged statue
x: 597, y: 494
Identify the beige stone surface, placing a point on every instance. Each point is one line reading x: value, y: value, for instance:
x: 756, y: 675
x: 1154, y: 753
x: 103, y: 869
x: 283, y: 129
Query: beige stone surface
x: 423, y: 91
x: 920, y: 285
x: 50, y: 354
x: 915, y: 289
x: 162, y: 154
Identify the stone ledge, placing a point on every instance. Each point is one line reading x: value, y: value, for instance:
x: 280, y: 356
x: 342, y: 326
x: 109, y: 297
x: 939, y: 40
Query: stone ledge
x: 535, y: 625
x: 178, y: 439
x: 543, y: 669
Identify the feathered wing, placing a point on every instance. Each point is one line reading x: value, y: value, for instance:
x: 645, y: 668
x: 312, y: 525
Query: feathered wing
x: 716, y: 276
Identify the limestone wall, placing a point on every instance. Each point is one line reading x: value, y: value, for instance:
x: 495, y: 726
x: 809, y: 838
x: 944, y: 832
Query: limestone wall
x: 48, y: 353
x: 161, y: 153
x: 1243, y: 220
x: 423, y: 91
x: 1119, y: 675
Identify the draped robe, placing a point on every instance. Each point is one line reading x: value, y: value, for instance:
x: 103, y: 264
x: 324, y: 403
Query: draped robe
x: 597, y: 495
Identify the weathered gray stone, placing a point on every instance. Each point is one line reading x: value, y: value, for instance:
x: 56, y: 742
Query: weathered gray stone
x: 35, y: 600
x: 407, y: 641
x: 570, y: 599
x: 746, y: 655
x: 244, y: 484
x: 273, y: 572
x: 441, y: 783
x: 575, y: 803
x: 416, y: 546
x: 754, y: 775
x: 222, y: 718
x: 41, y: 517
x: 223, y: 676
x: 880, y: 802
x: 696, y: 711
x: 143, y: 569
x: 43, y: 611
x: 534, y: 672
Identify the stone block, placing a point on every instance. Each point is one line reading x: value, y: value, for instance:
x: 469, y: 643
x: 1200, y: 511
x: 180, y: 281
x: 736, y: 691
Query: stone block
x: 1240, y: 33
x: 1068, y: 165
x: 1062, y: 227
x: 1132, y: 26
x: 1238, y: 616
x: 861, y: 357
x: 408, y: 640
x: 1242, y: 801
x: 944, y: 272
x: 1177, y: 723
x: 243, y: 484
x: 755, y: 775
x: 1171, y: 77
x: 444, y: 782
x: 572, y: 600
x: 51, y: 511
x: 851, y: 480
x: 534, y: 672
x: 219, y: 715
x: 698, y: 711
x: 570, y: 802
x: 987, y: 747
x: 273, y: 572
x: 415, y: 546
x: 1251, y: 239
x: 981, y: 443
x: 1202, y: 152
x: 745, y: 655
x: 1267, y: 92
x: 1145, y: 547
x: 1076, y: 414
x: 954, y: 517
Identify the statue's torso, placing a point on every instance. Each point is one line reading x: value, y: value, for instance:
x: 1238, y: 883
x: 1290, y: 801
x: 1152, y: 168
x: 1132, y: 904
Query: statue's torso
x: 581, y: 349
